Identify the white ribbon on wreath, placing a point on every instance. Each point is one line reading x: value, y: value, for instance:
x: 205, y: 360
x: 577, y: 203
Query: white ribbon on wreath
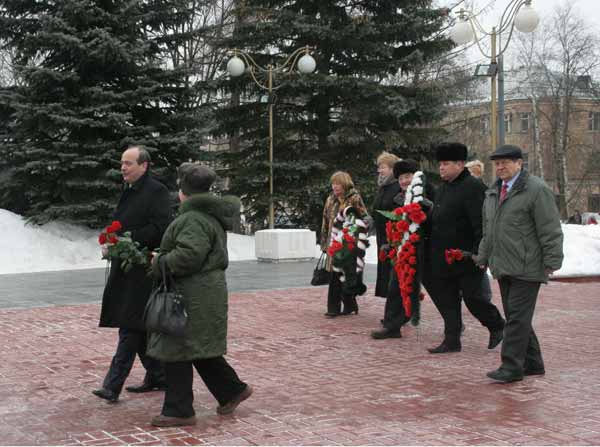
x: 414, y: 194
x: 346, y: 220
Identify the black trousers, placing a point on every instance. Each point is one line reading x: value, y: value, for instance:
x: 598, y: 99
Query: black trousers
x: 131, y: 342
x: 394, y: 315
x: 446, y: 294
x: 219, y: 377
x: 486, y: 288
x: 520, y: 347
x: 335, y: 295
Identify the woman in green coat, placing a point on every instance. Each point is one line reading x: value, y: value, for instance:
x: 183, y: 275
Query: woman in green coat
x: 194, y: 251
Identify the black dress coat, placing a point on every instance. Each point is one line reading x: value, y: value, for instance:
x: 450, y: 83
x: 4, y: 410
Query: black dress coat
x: 384, y: 200
x: 455, y: 223
x: 145, y: 210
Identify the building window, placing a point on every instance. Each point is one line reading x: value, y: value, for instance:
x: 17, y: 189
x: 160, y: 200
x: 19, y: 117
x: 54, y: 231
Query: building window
x: 508, y: 122
x: 594, y: 203
x: 525, y: 118
x: 485, y: 125
x: 594, y: 121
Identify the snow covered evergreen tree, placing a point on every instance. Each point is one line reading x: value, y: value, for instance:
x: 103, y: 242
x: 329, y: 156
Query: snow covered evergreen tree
x: 91, y: 81
x: 362, y: 98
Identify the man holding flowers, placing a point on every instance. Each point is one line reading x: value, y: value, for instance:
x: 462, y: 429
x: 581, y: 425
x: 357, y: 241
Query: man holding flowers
x: 406, y: 234
x: 456, y: 224
x: 142, y: 214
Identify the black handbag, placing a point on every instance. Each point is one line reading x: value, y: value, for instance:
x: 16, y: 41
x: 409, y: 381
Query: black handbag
x: 320, y: 274
x: 165, y: 312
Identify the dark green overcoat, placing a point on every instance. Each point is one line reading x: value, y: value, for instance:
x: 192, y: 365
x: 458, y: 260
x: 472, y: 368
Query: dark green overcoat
x: 194, y: 248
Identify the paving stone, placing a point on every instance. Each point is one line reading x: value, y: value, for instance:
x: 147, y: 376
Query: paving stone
x: 318, y: 381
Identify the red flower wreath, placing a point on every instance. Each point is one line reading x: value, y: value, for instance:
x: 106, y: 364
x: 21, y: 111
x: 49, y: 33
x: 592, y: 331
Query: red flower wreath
x: 401, y: 236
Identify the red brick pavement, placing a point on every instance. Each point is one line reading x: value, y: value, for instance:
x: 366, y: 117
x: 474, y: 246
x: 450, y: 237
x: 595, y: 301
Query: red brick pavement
x: 317, y: 381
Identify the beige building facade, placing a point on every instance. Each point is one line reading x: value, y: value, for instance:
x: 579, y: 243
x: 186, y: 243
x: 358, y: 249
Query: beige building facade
x: 470, y: 124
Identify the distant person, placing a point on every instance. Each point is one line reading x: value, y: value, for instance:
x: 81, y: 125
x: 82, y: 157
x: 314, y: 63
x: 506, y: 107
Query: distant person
x: 523, y: 244
x: 592, y: 221
x: 144, y: 209
x: 194, y: 251
x: 384, y: 201
x: 456, y: 224
x: 342, y: 195
x: 476, y: 168
x: 575, y: 218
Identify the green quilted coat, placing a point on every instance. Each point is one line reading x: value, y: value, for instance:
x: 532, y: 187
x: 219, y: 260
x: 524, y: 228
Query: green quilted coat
x: 195, y: 250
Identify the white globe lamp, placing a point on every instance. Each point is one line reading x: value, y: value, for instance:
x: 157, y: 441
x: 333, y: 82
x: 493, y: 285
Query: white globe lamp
x: 306, y: 64
x: 461, y: 33
x: 235, y: 67
x: 527, y: 19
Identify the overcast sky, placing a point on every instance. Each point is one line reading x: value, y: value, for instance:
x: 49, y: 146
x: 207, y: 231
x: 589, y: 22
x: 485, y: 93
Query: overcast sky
x: 492, y: 11
x: 588, y: 8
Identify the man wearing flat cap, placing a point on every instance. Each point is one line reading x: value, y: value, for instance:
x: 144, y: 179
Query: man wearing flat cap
x: 456, y: 224
x: 522, y: 244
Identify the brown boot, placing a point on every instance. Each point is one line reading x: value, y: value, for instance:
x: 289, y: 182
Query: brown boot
x: 171, y: 421
x: 229, y: 407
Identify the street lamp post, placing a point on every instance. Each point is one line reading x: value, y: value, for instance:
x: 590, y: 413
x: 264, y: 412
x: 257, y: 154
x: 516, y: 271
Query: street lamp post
x: 518, y: 14
x: 236, y: 66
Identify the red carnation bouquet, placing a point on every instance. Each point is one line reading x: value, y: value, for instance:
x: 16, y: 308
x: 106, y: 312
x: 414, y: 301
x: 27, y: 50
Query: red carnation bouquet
x: 123, y: 248
x: 454, y: 254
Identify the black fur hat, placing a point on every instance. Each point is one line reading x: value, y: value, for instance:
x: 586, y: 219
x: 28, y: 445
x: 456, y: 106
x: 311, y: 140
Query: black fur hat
x: 451, y: 152
x: 405, y: 167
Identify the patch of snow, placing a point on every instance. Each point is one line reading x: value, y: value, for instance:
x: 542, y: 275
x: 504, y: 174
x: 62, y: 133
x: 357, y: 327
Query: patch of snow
x: 62, y: 246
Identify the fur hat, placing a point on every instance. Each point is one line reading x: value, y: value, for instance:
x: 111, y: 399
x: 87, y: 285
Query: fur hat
x: 451, y: 152
x: 196, y: 179
x: 405, y: 167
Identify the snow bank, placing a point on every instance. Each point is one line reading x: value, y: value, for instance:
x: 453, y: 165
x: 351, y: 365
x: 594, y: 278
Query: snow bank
x: 61, y: 246
x: 581, y: 248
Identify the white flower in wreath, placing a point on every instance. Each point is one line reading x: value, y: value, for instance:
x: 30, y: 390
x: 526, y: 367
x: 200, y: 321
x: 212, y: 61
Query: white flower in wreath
x: 412, y: 196
x: 417, y: 190
x: 413, y: 227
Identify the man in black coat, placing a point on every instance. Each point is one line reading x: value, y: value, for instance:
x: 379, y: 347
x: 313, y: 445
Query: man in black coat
x: 456, y: 224
x: 144, y: 209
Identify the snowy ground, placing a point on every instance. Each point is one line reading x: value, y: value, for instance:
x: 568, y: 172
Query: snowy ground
x: 60, y: 246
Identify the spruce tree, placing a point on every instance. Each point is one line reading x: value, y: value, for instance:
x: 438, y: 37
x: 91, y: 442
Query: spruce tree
x: 360, y: 100
x: 92, y: 80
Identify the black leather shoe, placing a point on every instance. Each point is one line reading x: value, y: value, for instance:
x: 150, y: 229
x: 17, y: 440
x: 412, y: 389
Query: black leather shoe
x: 109, y: 395
x: 146, y: 388
x: 332, y: 314
x: 443, y: 348
x: 385, y: 333
x: 534, y: 372
x: 503, y: 376
x: 349, y: 311
x: 495, y: 338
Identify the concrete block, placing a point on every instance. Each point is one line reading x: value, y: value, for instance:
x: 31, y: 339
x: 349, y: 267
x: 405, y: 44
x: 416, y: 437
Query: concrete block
x: 285, y: 245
